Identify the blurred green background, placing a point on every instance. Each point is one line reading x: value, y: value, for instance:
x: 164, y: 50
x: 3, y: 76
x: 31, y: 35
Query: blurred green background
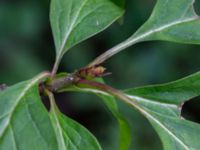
x: 27, y: 48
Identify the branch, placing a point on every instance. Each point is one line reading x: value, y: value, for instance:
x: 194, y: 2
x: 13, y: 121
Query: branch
x: 62, y: 82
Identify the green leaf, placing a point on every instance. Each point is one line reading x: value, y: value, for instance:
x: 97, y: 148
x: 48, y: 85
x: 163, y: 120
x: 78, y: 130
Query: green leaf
x: 24, y: 121
x: 110, y: 102
x: 161, y: 104
x: 175, y: 92
x: 169, y: 97
x: 73, y: 21
x: 171, y: 20
x: 176, y: 133
x: 70, y: 134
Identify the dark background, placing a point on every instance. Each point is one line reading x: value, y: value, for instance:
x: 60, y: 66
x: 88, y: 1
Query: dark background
x: 26, y: 49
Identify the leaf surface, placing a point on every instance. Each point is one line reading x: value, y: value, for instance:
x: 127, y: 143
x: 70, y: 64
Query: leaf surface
x: 161, y: 105
x: 70, y: 134
x: 24, y: 121
x: 171, y: 20
x: 73, y: 21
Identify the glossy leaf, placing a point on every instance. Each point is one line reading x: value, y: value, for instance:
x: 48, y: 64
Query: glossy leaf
x: 24, y: 121
x: 73, y: 21
x: 70, y: 134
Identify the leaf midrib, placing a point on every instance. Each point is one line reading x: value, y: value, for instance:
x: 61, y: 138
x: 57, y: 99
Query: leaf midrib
x: 13, y: 137
x: 130, y: 96
x: 18, y: 99
x: 136, y: 39
x: 173, y: 23
x: 152, y: 102
x: 148, y: 115
x: 59, y: 128
x: 61, y: 50
x: 35, y: 125
x: 153, y: 31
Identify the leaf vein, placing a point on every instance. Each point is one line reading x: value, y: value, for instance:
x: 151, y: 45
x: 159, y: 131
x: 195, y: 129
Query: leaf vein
x: 13, y: 137
x: 23, y: 93
x: 35, y: 125
x: 71, y: 27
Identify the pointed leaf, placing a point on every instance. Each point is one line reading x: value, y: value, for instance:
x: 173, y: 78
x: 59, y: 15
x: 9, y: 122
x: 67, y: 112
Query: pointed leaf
x: 70, y: 134
x: 175, y: 92
x: 172, y: 20
x: 73, y: 21
x: 24, y: 121
x: 171, y: 95
x: 161, y: 104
